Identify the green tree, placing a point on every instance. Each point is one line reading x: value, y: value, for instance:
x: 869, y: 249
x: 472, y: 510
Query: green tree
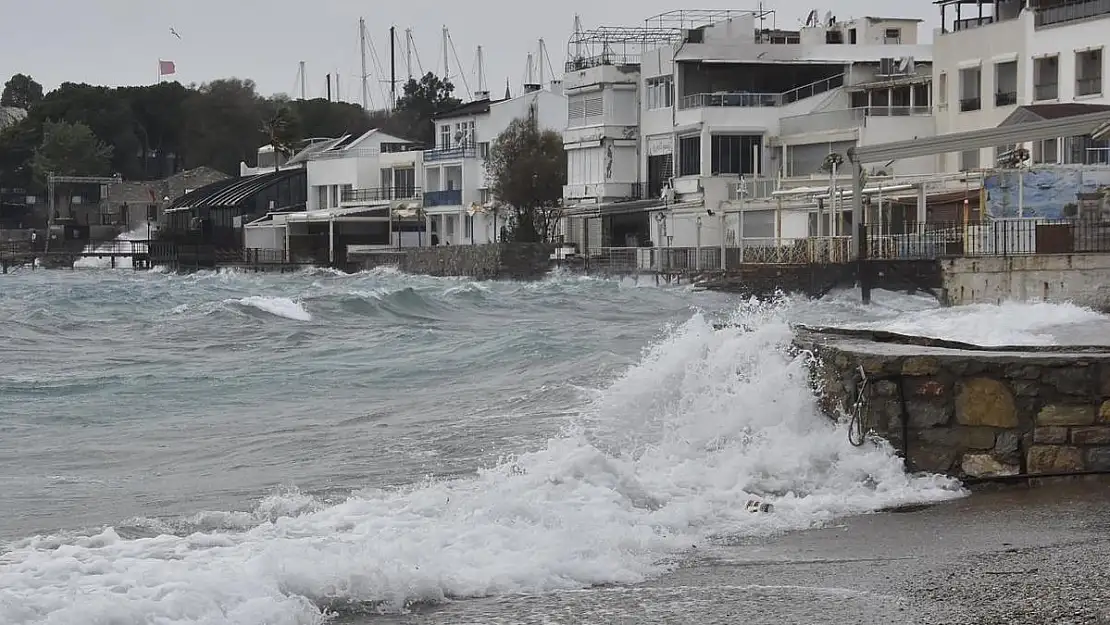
x: 70, y: 149
x: 282, y: 128
x: 158, y: 114
x: 21, y: 91
x: 17, y: 147
x: 105, y: 111
x: 321, y: 118
x: 223, y: 125
x: 422, y: 101
x: 527, y: 170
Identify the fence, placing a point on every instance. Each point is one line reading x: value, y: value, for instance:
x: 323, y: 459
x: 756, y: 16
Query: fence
x: 813, y: 250
x: 1009, y: 237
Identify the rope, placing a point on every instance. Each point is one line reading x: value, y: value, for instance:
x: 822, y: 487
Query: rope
x: 857, y: 433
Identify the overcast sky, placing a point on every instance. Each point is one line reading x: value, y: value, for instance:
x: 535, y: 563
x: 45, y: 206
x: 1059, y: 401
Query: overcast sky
x: 119, y: 42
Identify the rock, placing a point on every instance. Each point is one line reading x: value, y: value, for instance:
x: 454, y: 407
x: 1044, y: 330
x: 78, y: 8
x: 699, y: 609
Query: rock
x: 1105, y: 382
x: 886, y: 388
x: 932, y: 459
x: 1063, y: 414
x: 1054, y: 459
x: 1104, y: 412
x: 1007, y: 446
x: 920, y: 365
x: 1098, y: 459
x: 1025, y: 388
x: 984, y: 465
x: 985, y: 402
x: 928, y: 414
x: 1091, y: 435
x: 1069, y: 380
x: 1023, y: 372
x: 1050, y: 435
x: 927, y: 388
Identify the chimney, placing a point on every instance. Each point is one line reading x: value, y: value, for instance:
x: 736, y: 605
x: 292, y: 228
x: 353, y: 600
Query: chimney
x: 557, y: 87
x: 532, y: 87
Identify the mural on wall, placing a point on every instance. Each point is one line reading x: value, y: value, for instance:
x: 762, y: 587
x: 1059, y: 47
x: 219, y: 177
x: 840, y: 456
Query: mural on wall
x: 1049, y: 192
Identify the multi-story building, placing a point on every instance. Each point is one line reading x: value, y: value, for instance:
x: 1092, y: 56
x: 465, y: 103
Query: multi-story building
x: 996, y: 61
x: 456, y: 196
x: 722, y: 95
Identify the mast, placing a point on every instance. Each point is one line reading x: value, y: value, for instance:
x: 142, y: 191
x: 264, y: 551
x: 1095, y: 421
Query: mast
x: 481, y: 71
x: 408, y: 52
x: 446, y: 51
x: 392, y: 67
x: 543, y: 53
x: 529, y: 71
x: 362, y: 53
x: 329, y: 87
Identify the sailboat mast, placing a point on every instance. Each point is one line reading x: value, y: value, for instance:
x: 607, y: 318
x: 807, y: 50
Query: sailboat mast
x: 392, y: 67
x: 362, y: 53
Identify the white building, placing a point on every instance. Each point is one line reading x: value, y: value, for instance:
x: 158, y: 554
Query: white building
x: 992, y: 58
x: 456, y: 188
x: 709, y: 96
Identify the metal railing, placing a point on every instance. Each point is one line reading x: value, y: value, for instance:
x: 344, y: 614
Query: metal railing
x: 844, y: 118
x: 757, y: 251
x: 380, y: 194
x: 754, y: 100
x: 586, y: 62
x: 1088, y: 86
x: 342, y: 153
x: 443, y: 198
x: 1082, y: 9
x: 1046, y: 91
x: 970, y: 104
x: 1005, y: 98
x: 446, y: 154
x: 1009, y: 237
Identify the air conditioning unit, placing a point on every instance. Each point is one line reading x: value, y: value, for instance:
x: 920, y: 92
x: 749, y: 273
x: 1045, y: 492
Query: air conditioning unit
x: 887, y: 66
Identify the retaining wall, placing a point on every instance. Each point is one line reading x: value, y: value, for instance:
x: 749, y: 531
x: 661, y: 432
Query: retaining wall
x: 494, y: 261
x: 1083, y: 279
x: 968, y: 411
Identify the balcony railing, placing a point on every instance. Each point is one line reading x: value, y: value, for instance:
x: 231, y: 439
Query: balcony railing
x: 970, y: 104
x: 756, y: 100
x: 1088, y: 86
x: 844, y: 118
x: 1005, y: 98
x: 1013, y: 237
x: 443, y: 198
x: 380, y: 194
x: 447, y: 154
x: 1070, y: 12
x: 1046, y: 91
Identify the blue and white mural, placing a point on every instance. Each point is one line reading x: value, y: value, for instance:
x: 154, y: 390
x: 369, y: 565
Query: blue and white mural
x: 1047, y: 190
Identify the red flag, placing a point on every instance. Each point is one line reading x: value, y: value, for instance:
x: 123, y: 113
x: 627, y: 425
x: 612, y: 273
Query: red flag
x: 165, y: 68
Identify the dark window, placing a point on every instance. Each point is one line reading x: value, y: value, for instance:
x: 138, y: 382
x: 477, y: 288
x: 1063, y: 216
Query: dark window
x: 660, y: 170
x: 689, y: 156
x: 735, y: 154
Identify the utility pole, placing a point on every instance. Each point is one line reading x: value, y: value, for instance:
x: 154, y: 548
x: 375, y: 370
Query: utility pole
x: 362, y: 53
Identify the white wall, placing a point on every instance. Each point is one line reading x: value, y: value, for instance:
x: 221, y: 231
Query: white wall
x: 1065, y: 40
x: 885, y: 129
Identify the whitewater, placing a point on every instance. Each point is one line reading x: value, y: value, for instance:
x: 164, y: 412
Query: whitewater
x: 258, y: 449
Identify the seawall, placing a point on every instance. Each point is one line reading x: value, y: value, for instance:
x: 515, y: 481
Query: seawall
x: 494, y: 261
x: 969, y: 411
x: 1083, y: 279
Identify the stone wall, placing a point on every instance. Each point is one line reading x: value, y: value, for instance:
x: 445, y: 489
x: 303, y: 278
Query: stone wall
x: 1083, y: 279
x: 495, y: 261
x: 967, y: 411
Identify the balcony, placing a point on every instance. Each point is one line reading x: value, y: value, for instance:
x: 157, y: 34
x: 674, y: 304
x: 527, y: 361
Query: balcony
x: 843, y: 119
x: 1071, y: 12
x: 754, y: 100
x: 451, y: 197
x: 379, y: 194
x: 450, y: 154
x: 1005, y: 98
x: 1046, y: 91
x: 970, y: 104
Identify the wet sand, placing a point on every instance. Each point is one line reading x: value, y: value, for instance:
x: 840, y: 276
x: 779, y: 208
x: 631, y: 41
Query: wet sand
x: 1012, y: 555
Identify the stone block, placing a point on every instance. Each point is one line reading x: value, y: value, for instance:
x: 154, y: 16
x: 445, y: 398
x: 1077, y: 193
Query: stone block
x: 1069, y: 380
x: 920, y: 365
x: 928, y: 414
x: 985, y: 465
x: 985, y: 402
x: 1022, y: 372
x: 1025, y: 388
x: 886, y: 388
x: 958, y: 439
x: 1066, y: 414
x: 1054, y: 459
x: 1098, y: 459
x: 1007, y: 446
x: 929, y: 387
x: 1104, y: 382
x: 1050, y: 435
x: 1091, y: 435
x: 932, y: 459
x: 1104, y: 412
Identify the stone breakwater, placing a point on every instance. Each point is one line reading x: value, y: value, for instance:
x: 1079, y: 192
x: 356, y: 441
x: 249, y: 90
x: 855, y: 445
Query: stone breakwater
x: 969, y: 411
x: 494, y: 261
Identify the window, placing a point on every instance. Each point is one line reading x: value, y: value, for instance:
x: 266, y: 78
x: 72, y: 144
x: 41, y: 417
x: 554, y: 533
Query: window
x: 1088, y: 72
x: 1046, y: 76
x: 735, y: 154
x: 660, y: 92
x: 892, y: 36
x: 404, y: 183
x: 595, y: 109
x: 444, y: 136
x: 576, y: 111
x: 583, y: 110
x: 970, y: 83
x: 152, y: 212
x: 483, y: 149
x: 1005, y: 83
x: 1046, y: 151
x: 942, y: 89
x: 468, y: 227
x: 969, y: 160
x: 689, y: 155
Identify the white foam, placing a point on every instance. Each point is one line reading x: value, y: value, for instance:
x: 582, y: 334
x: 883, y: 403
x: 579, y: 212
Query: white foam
x: 142, y: 233
x: 277, y: 306
x: 665, y: 458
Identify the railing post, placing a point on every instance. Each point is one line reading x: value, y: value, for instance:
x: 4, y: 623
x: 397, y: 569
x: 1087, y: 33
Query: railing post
x: 863, y: 266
